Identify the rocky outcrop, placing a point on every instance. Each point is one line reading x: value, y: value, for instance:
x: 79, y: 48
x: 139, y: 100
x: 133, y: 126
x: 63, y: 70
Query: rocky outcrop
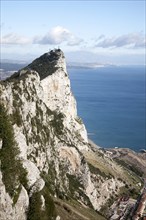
x: 51, y: 144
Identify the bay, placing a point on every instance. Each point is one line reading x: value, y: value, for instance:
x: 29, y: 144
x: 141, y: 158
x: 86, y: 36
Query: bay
x: 111, y: 102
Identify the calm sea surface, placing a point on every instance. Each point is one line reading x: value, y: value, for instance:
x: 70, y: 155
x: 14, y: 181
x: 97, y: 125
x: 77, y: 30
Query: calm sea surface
x: 111, y: 102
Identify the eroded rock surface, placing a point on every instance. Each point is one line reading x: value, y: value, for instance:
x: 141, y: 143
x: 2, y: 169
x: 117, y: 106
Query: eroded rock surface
x: 52, y: 143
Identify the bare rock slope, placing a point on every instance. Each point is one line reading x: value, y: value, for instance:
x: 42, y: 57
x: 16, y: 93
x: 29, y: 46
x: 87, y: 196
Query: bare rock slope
x: 48, y: 168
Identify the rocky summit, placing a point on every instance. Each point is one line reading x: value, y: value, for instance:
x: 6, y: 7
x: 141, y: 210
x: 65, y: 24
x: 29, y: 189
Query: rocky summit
x: 48, y: 169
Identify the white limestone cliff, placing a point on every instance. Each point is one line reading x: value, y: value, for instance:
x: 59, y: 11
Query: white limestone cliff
x: 50, y: 137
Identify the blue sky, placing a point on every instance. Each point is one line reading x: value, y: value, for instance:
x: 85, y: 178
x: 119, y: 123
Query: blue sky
x: 87, y: 31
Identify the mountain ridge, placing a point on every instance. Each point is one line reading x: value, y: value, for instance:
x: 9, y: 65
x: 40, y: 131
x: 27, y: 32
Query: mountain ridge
x: 59, y: 165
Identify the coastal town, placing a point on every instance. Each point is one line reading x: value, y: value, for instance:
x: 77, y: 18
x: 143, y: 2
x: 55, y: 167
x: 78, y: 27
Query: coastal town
x: 126, y: 208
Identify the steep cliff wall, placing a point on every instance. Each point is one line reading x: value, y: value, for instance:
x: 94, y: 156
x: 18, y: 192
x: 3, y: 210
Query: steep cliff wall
x: 46, y: 154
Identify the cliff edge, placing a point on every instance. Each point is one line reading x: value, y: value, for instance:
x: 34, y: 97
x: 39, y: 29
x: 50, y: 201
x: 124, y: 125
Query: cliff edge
x: 48, y: 168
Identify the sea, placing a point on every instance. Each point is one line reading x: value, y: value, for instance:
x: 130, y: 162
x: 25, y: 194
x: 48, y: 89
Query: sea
x: 112, y: 104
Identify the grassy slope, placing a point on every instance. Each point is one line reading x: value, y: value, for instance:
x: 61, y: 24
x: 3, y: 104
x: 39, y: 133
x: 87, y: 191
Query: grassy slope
x: 110, y: 167
x: 75, y: 211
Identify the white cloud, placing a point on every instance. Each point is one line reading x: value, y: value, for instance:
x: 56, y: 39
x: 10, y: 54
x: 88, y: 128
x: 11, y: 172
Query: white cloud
x: 58, y: 35
x: 133, y: 40
x: 55, y: 36
x: 13, y: 38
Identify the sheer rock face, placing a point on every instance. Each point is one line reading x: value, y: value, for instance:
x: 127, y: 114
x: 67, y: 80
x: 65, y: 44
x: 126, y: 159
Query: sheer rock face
x: 7, y: 209
x: 50, y: 137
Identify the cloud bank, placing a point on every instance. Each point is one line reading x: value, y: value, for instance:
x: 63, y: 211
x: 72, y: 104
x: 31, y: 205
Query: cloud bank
x: 134, y: 40
x: 55, y: 36
x: 58, y: 35
x: 62, y: 36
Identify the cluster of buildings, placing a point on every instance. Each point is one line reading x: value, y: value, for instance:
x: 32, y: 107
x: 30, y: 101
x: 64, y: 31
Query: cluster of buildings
x: 122, y: 208
x: 140, y: 207
x: 129, y: 209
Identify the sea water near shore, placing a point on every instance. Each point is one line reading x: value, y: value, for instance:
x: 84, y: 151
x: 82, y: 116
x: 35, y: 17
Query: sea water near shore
x: 111, y: 102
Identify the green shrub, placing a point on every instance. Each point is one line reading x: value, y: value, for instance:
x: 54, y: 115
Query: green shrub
x: 48, y: 66
x: 50, y: 211
x: 57, y: 123
x: 37, y: 211
x: 35, y: 204
x: 49, y: 178
x: 12, y: 170
x: 16, y: 117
